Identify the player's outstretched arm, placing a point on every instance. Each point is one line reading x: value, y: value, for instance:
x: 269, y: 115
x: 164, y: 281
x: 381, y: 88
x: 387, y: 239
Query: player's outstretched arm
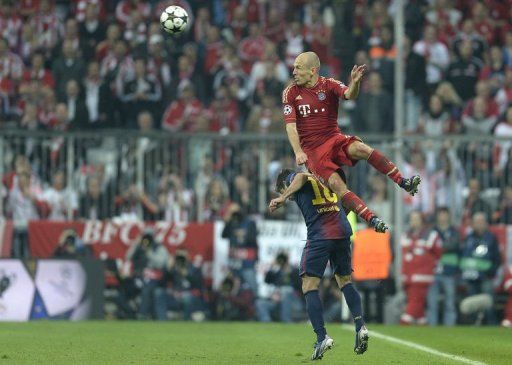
x: 297, y: 183
x: 293, y: 136
x: 356, y: 76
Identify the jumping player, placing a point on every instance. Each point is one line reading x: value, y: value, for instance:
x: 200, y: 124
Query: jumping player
x: 328, y: 239
x: 310, y: 107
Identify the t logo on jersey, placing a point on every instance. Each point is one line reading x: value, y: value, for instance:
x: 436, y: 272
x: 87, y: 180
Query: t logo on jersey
x: 304, y: 110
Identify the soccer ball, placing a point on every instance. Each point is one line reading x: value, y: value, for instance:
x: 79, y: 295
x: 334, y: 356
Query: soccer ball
x: 174, y: 19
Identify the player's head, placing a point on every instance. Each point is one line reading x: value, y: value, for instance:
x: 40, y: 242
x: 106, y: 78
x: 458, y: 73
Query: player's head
x: 281, y: 183
x: 305, y: 69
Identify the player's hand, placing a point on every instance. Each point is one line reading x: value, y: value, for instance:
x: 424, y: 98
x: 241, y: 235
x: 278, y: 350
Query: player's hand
x: 276, y: 203
x: 358, y: 72
x: 301, y: 158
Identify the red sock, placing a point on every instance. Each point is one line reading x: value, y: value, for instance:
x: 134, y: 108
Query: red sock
x: 384, y: 166
x: 354, y: 203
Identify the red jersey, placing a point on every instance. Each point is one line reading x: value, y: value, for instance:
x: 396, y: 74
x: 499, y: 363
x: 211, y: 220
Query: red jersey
x: 314, y: 110
x: 420, y: 255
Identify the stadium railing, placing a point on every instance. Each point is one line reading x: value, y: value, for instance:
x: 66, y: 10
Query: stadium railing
x: 123, y: 158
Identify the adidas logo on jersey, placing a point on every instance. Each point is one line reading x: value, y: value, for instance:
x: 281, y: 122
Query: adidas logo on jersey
x: 298, y: 98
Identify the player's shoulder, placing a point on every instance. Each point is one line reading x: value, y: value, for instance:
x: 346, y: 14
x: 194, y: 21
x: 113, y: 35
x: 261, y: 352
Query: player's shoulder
x: 289, y: 91
x: 331, y: 81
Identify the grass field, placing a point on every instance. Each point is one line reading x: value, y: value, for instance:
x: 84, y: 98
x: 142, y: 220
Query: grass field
x: 240, y: 343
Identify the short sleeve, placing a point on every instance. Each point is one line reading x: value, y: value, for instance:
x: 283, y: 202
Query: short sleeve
x: 338, y: 88
x: 289, y: 113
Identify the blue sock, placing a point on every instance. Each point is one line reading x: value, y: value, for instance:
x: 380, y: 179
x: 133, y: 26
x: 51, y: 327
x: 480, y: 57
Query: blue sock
x: 353, y: 300
x: 315, y: 313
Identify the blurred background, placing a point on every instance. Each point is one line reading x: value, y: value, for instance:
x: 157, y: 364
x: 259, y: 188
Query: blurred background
x: 145, y: 162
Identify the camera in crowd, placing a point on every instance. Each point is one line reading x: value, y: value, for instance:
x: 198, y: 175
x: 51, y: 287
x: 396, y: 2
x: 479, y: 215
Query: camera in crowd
x: 181, y: 258
x: 147, y: 240
x: 282, y: 259
x: 70, y: 245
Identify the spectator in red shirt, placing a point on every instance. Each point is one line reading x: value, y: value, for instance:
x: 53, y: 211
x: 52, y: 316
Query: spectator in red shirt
x: 81, y: 7
x: 184, y: 114
x: 10, y: 23
x: 483, y: 90
x: 294, y: 43
x: 106, y: 46
x: 275, y: 26
x: 421, y: 250
x: 125, y: 7
x: 484, y: 24
x: 213, y: 46
x: 223, y: 113
x: 251, y: 48
x: 48, y: 26
x: 318, y: 35
x: 28, y: 8
x: 38, y: 71
x: 265, y: 117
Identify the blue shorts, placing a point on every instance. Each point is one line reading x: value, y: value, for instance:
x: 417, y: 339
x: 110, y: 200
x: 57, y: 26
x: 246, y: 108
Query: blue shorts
x: 316, y: 254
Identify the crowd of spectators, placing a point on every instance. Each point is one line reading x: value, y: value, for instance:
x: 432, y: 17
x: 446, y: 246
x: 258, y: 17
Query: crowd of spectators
x: 90, y: 65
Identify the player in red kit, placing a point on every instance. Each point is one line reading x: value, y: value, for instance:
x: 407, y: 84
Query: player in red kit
x: 310, y: 107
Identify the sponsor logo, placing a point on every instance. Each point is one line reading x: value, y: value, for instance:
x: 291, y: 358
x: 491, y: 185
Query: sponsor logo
x: 298, y: 97
x: 321, y: 96
x: 287, y: 110
x: 304, y: 110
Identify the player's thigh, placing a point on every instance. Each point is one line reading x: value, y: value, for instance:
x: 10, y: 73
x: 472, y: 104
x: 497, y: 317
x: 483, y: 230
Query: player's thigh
x: 340, y: 257
x: 337, y: 184
x: 357, y: 150
x: 315, y: 256
x: 321, y: 166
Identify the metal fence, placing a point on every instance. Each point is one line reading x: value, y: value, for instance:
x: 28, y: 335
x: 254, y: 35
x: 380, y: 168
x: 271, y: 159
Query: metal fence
x: 121, y: 159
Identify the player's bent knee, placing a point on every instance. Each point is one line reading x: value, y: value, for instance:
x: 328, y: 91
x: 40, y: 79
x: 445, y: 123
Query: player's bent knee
x: 310, y: 283
x: 342, y: 280
x: 337, y: 184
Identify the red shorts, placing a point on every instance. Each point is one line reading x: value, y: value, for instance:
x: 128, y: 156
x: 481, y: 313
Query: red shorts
x: 328, y: 158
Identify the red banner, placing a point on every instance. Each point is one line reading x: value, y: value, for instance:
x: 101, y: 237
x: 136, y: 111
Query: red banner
x: 113, y: 238
x: 5, y: 238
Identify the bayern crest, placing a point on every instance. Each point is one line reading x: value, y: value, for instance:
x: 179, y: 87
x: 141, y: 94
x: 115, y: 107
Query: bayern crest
x: 321, y: 96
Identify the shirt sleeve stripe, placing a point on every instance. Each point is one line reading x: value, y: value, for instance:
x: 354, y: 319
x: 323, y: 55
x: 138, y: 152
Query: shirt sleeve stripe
x: 285, y: 93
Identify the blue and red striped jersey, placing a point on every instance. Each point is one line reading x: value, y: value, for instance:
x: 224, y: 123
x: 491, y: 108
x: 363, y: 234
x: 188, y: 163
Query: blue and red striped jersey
x: 322, y: 211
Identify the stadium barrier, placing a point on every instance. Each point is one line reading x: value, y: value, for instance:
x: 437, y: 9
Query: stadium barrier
x: 51, y: 289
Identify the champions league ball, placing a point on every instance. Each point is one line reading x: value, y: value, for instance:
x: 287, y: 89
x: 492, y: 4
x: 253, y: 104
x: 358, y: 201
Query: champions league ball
x: 174, y: 19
